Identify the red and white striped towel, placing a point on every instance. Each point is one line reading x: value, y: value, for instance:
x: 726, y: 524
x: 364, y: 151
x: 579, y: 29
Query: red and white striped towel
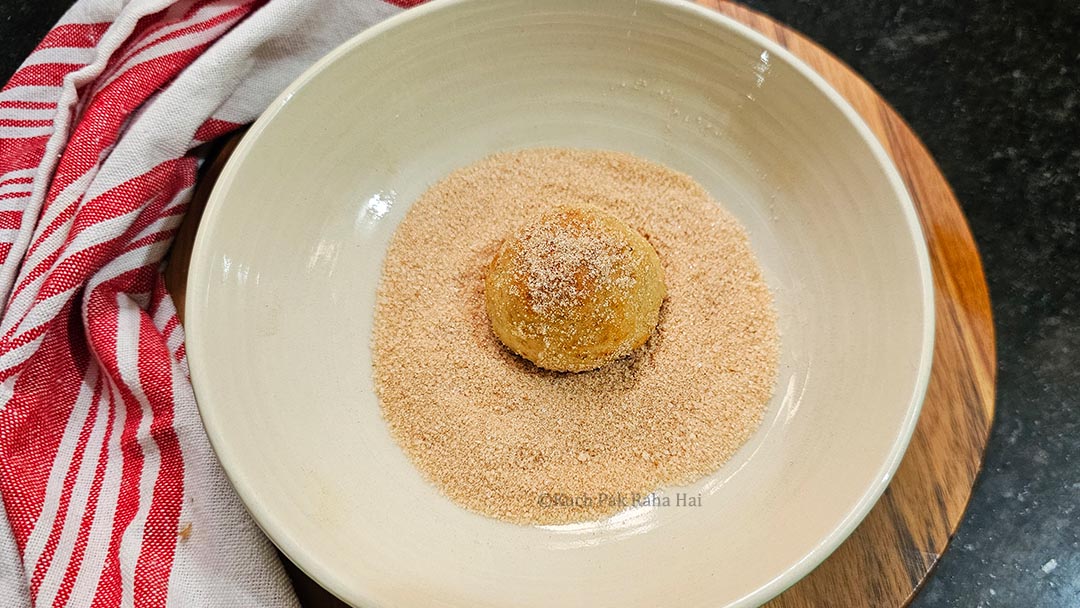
x: 112, y: 493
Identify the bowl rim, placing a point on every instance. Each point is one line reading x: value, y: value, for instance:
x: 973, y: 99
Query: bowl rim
x: 308, y: 562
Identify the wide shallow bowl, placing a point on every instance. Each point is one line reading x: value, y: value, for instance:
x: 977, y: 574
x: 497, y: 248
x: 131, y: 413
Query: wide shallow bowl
x: 284, y: 272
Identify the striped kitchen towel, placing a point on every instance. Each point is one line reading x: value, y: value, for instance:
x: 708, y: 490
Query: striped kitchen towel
x: 111, y: 492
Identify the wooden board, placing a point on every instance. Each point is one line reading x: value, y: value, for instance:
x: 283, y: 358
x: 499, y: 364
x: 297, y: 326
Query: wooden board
x: 892, y: 552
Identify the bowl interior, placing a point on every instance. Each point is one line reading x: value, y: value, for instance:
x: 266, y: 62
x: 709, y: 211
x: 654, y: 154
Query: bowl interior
x: 284, y: 272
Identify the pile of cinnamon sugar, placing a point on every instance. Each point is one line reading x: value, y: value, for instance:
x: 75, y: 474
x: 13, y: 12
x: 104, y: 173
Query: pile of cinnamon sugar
x: 501, y: 436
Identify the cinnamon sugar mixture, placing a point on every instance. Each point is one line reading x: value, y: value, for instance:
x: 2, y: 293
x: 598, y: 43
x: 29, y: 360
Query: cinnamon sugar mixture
x: 560, y: 260
x: 506, y: 439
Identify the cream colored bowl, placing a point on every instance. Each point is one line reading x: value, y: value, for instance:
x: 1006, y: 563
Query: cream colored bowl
x: 284, y: 272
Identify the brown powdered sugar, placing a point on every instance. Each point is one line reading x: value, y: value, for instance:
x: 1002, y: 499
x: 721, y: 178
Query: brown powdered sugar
x: 501, y: 436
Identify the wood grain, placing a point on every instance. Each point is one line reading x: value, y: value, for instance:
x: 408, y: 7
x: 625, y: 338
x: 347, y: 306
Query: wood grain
x: 892, y: 552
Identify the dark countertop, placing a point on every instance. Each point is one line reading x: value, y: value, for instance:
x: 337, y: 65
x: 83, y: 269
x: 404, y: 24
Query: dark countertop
x: 993, y: 88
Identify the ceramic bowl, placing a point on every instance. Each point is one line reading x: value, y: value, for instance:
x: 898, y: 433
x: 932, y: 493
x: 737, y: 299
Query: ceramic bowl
x: 284, y: 272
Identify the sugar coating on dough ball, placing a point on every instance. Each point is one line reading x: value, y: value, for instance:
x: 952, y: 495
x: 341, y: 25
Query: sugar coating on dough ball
x: 574, y: 289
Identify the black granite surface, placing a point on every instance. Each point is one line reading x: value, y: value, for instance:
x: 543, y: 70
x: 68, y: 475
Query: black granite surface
x: 993, y: 88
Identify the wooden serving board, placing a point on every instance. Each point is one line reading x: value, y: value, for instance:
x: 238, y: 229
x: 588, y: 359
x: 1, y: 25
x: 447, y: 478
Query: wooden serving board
x: 894, y: 550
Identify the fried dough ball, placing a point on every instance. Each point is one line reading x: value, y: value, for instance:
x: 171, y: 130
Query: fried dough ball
x: 574, y: 289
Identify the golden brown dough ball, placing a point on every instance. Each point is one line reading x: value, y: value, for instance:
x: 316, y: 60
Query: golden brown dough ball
x: 574, y: 289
